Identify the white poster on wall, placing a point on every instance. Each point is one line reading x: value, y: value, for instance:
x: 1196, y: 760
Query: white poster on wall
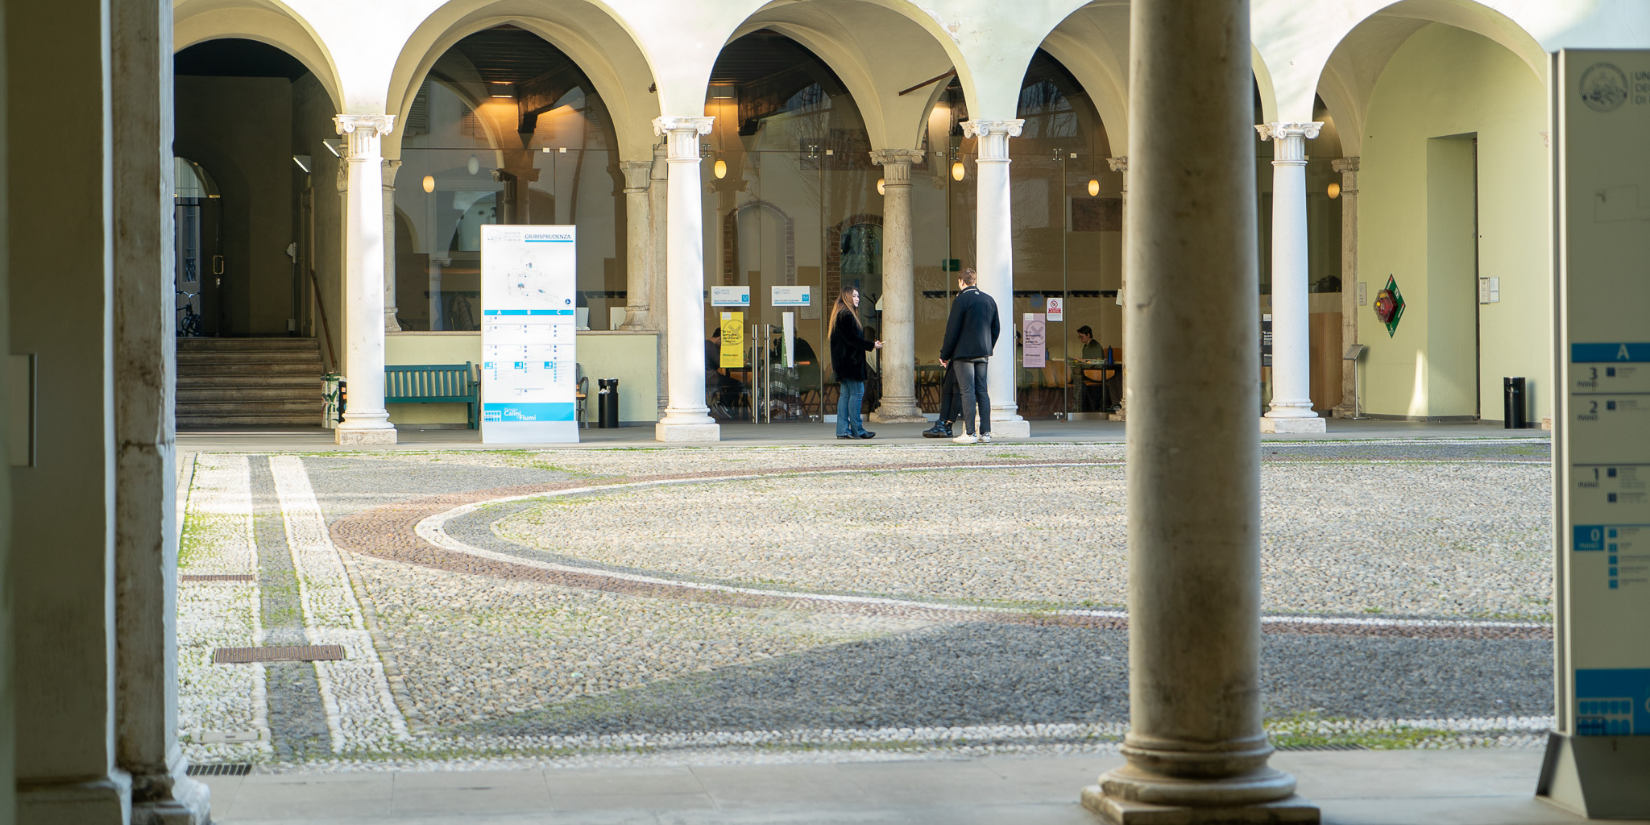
x: 730, y: 296
x: 528, y: 312
x: 790, y: 296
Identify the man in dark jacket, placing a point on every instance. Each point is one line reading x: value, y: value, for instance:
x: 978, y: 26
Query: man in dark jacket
x: 970, y: 335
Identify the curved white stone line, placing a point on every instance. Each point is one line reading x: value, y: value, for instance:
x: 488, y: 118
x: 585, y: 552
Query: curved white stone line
x: 361, y: 711
x: 433, y: 529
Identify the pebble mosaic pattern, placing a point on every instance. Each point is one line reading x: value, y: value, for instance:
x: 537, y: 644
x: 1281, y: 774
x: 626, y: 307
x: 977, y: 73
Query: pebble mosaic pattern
x: 477, y: 659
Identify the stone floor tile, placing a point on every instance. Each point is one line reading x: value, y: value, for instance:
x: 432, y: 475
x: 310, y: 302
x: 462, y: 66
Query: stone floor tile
x: 620, y: 781
x: 916, y: 783
x: 737, y: 786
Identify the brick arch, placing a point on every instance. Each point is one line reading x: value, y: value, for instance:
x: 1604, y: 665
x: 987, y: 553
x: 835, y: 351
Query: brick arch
x: 833, y: 250
x: 730, y: 240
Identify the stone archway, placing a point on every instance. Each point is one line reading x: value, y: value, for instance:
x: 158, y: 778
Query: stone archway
x: 730, y: 240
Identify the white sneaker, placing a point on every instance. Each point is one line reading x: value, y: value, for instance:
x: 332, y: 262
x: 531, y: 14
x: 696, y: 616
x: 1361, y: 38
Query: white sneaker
x: 985, y: 438
x: 965, y: 438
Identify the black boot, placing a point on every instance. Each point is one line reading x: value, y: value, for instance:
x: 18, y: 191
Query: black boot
x: 939, y: 430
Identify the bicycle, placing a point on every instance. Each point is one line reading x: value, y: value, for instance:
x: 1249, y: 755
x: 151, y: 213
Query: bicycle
x: 190, y: 325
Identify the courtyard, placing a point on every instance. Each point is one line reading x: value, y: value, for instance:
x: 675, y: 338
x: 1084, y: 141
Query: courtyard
x: 648, y: 608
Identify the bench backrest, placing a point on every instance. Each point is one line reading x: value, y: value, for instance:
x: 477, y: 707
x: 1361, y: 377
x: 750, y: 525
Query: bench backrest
x: 430, y: 381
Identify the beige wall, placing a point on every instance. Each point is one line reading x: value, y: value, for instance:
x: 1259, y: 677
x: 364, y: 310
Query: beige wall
x: 630, y: 357
x: 240, y: 130
x: 1407, y: 180
x: 312, y: 113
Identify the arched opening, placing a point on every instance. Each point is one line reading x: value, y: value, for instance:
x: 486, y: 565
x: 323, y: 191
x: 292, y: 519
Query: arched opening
x: 258, y: 249
x: 505, y: 129
x: 1445, y: 176
x: 788, y: 163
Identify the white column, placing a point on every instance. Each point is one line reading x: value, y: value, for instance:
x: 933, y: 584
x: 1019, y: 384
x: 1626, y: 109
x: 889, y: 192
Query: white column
x: 687, y: 418
x: 994, y: 260
x: 1196, y: 750
x: 899, y: 320
x: 365, y: 420
x: 657, y: 194
x: 145, y: 528
x: 1291, y: 410
x: 391, y: 323
x: 1348, y: 167
x: 638, y: 305
x: 1121, y: 164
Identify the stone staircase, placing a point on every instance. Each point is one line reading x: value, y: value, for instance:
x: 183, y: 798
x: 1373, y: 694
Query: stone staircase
x: 249, y: 382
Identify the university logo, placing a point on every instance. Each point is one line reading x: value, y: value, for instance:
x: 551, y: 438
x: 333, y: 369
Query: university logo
x: 1603, y: 87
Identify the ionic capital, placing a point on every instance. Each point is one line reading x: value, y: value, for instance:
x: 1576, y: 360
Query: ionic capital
x: 1119, y: 164
x: 364, y: 132
x: 682, y: 135
x: 1289, y: 139
x: 1344, y: 165
x: 896, y: 165
x: 993, y: 135
x: 638, y: 175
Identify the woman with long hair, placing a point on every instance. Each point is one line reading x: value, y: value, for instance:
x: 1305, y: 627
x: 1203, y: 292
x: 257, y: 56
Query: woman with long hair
x: 848, y: 348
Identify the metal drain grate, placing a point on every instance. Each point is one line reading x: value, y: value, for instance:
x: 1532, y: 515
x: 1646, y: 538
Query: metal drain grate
x: 292, y: 653
x: 218, y: 577
x: 1323, y: 747
x: 221, y: 769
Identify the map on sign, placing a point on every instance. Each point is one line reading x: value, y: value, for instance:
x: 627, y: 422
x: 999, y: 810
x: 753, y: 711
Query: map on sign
x: 528, y: 368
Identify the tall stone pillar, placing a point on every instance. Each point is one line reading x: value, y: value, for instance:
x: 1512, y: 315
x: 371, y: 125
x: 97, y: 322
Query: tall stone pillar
x: 657, y: 221
x: 60, y: 574
x: 1195, y: 750
x: 365, y: 419
x: 1348, y: 167
x: 391, y: 323
x: 638, y: 176
x: 146, y: 532
x: 1121, y: 164
x: 1291, y: 410
x: 994, y: 255
x: 687, y: 418
x: 899, y: 307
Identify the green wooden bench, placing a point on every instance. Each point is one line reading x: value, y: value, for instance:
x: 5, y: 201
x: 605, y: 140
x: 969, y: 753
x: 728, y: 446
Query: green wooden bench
x: 434, y: 384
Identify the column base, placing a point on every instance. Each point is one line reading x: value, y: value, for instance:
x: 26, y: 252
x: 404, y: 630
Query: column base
x: 107, y: 799
x: 1116, y: 811
x: 1120, y: 415
x: 1015, y: 427
x: 673, y: 433
x: 385, y: 435
x: 187, y: 802
x: 1293, y: 425
x: 898, y: 414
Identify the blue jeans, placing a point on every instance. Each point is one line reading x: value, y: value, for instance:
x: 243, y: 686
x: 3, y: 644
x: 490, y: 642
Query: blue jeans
x: 849, y: 399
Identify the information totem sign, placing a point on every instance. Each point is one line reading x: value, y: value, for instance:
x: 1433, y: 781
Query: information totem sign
x: 1598, y: 761
x: 528, y: 316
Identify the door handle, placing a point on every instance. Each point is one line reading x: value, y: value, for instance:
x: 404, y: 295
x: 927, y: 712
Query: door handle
x: 217, y: 264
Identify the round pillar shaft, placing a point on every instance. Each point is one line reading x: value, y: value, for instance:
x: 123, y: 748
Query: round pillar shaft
x: 365, y: 419
x: 899, y: 327
x: 1291, y: 336
x: 1195, y: 744
x: 687, y: 418
x: 994, y: 257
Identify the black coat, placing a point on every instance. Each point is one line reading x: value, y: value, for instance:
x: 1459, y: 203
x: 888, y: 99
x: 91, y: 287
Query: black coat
x: 972, y: 329
x: 848, y: 348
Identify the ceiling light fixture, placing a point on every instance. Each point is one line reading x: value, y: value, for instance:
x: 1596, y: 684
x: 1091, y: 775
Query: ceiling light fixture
x: 473, y: 165
x: 429, y: 183
x: 1094, y: 187
x: 881, y: 189
x: 957, y: 171
x: 720, y: 169
x: 1334, y: 191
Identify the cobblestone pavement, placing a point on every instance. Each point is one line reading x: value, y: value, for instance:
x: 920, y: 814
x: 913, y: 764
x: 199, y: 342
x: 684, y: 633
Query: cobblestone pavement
x: 776, y: 604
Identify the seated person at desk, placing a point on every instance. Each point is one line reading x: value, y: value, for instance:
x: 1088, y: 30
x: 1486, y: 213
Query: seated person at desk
x: 1092, y: 351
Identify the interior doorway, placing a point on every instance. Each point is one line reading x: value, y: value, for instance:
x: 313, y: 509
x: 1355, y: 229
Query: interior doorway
x: 1451, y: 292
x: 198, y: 250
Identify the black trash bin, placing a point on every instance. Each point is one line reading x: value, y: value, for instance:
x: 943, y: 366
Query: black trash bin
x: 1512, y: 392
x: 607, y: 402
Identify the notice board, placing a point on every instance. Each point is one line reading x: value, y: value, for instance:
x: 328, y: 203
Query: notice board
x: 528, y: 319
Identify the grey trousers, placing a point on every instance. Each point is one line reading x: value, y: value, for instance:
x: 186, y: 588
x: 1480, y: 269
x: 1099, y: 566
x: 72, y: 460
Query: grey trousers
x: 971, y: 378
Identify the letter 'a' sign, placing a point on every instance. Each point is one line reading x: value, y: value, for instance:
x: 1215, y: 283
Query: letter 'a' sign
x: 528, y: 318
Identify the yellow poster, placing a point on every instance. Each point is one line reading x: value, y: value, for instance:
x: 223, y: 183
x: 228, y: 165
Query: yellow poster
x: 733, y: 340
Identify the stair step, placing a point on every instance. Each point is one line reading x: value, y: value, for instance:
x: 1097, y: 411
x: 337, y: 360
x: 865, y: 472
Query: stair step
x: 241, y: 378
x: 217, y: 344
x: 248, y: 394
x: 300, y: 408
x: 311, y: 372
x: 249, y: 357
x: 247, y: 420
